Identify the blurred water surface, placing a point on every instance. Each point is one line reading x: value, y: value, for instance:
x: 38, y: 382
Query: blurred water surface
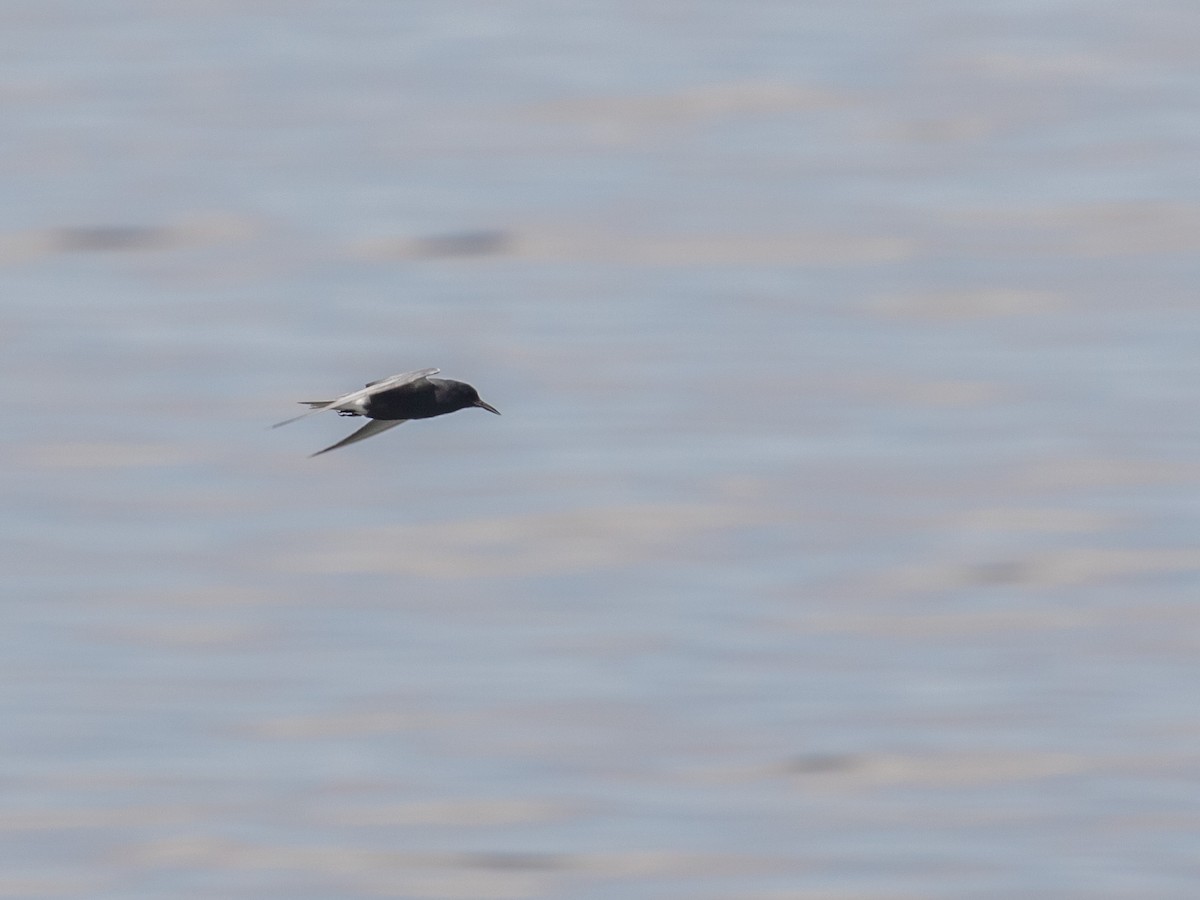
x: 838, y: 538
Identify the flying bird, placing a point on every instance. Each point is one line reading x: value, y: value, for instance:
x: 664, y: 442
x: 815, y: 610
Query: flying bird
x: 393, y: 401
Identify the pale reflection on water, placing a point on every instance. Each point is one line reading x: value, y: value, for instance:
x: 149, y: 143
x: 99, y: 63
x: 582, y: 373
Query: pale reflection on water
x: 839, y: 535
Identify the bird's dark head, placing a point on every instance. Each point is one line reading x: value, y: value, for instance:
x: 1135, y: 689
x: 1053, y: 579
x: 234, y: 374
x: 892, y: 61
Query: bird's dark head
x: 464, y: 395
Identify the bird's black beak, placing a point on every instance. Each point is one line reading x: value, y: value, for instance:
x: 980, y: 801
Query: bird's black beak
x: 489, y: 408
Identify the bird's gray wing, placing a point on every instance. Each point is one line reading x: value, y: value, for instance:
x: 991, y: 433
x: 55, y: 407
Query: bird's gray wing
x: 385, y: 384
x: 392, y: 381
x: 375, y: 426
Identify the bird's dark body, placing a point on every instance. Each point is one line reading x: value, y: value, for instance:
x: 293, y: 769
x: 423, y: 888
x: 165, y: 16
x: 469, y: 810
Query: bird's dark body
x: 393, y: 401
x: 422, y: 399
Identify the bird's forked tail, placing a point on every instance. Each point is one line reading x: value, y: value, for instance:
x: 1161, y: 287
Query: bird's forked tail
x: 313, y: 406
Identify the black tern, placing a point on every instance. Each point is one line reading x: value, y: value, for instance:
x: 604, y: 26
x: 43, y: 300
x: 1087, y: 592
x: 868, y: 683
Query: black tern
x: 393, y: 401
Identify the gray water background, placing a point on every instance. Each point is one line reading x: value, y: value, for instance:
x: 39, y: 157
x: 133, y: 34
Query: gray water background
x: 838, y: 539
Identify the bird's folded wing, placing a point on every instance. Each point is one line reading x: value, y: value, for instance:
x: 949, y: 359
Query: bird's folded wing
x: 375, y: 387
x: 375, y: 426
